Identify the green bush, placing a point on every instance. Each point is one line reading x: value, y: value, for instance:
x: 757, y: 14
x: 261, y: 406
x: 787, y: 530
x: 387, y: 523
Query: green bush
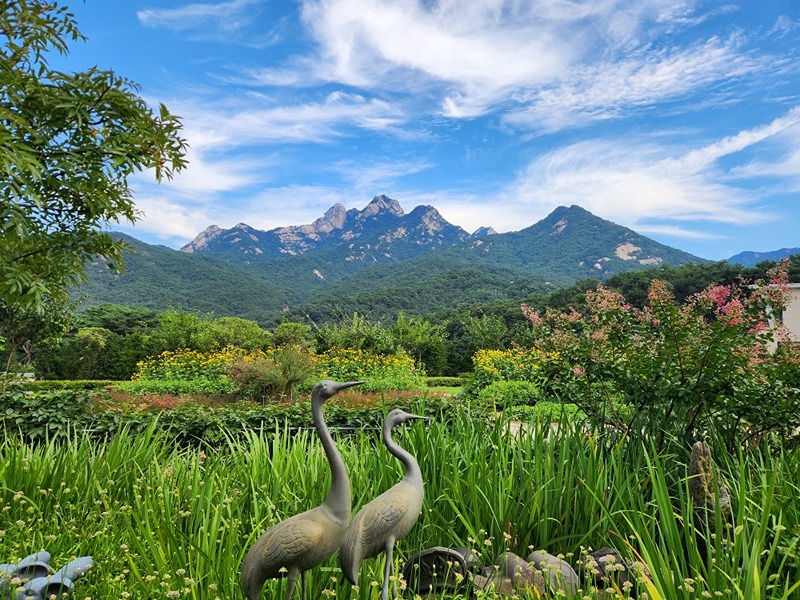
x: 71, y: 384
x: 46, y: 414
x: 212, y: 386
x: 676, y: 371
x: 275, y: 374
x: 517, y: 364
x: 504, y: 394
x: 444, y: 381
x: 380, y: 372
x: 545, y: 411
x: 43, y: 415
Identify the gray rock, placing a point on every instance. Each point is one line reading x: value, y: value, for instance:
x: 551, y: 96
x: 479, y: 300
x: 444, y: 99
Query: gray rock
x: 436, y: 570
x: 558, y: 573
x: 703, y: 480
x: 605, y: 566
x: 510, y: 575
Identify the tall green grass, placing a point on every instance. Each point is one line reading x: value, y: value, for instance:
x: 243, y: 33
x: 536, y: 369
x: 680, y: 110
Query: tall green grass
x: 167, y: 523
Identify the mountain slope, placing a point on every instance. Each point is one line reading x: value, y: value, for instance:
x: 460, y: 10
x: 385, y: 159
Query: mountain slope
x: 390, y: 262
x: 160, y: 277
x: 571, y: 243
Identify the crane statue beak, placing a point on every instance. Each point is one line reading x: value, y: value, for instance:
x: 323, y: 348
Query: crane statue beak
x: 344, y: 385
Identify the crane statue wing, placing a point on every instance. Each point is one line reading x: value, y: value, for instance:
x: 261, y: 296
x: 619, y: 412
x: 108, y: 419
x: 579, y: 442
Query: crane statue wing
x: 390, y: 515
x: 301, y: 540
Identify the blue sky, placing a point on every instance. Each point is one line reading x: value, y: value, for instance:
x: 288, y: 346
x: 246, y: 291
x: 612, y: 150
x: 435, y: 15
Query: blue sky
x: 678, y: 119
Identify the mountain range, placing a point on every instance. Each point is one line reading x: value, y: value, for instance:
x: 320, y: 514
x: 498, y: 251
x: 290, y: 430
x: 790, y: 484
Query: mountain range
x: 750, y: 259
x: 377, y: 261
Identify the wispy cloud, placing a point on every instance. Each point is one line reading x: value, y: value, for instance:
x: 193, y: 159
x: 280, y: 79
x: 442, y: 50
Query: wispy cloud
x: 553, y: 64
x: 640, y: 183
x: 217, y: 21
x: 236, y: 122
x: 367, y: 178
x: 644, y: 78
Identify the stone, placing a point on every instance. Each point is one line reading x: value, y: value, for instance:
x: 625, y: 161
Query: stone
x: 37, y: 581
x: 558, y: 573
x: 437, y: 570
x: 512, y: 574
x: 703, y: 481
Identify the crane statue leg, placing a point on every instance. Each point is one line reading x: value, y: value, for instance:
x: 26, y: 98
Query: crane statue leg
x: 292, y: 580
x: 388, y: 571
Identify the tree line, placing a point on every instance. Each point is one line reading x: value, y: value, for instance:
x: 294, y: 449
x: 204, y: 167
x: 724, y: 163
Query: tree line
x: 107, y: 341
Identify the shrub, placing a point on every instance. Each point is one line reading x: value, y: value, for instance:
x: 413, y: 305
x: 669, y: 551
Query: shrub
x: 444, y: 381
x: 188, y: 364
x: 185, y: 372
x: 380, y: 372
x: 679, y: 370
x: 74, y: 384
x: 516, y: 364
x: 504, y: 394
x: 212, y: 386
x: 45, y: 414
x: 272, y: 374
x: 545, y: 411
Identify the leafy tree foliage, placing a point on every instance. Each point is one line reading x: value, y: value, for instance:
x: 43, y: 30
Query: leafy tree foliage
x: 293, y: 334
x: 422, y: 341
x: 68, y: 144
x: 119, y: 319
x: 670, y: 369
x: 356, y: 334
x: 25, y: 329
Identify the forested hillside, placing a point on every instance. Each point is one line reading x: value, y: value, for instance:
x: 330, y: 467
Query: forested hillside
x: 339, y: 276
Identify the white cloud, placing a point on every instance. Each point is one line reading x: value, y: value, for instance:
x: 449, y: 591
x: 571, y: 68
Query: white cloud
x: 641, y: 184
x: 242, y: 121
x: 480, y: 44
x: 220, y: 16
x: 647, y: 77
x: 558, y: 62
x: 168, y: 218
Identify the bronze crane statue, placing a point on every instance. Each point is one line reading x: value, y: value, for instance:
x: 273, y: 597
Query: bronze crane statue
x: 387, y: 518
x: 304, y: 541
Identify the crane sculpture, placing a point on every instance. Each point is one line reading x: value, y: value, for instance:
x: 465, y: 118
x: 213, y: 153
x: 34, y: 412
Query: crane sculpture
x: 304, y: 541
x: 387, y: 518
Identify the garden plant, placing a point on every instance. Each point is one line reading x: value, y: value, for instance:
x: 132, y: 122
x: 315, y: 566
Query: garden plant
x: 163, y: 522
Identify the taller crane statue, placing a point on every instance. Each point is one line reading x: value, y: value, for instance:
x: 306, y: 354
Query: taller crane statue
x: 304, y: 541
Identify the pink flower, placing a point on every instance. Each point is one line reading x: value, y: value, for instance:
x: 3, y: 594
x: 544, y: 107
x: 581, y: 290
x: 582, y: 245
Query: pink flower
x: 719, y: 294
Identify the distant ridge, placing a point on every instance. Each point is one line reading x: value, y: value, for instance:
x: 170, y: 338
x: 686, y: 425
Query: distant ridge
x: 750, y: 259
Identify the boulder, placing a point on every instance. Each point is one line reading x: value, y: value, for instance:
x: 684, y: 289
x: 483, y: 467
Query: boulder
x: 558, y: 573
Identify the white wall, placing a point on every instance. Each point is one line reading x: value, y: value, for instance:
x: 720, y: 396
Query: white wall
x: 791, y: 316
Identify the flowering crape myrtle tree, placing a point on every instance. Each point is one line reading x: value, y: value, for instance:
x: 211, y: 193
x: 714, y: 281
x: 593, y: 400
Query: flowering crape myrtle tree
x: 68, y: 143
x: 719, y: 361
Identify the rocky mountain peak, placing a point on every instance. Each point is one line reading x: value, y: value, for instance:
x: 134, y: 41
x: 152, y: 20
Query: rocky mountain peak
x: 334, y: 218
x: 429, y: 217
x: 381, y: 204
x: 483, y: 231
x: 202, y: 238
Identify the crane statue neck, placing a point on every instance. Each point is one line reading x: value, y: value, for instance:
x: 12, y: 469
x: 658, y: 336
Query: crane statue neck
x: 338, y: 500
x: 410, y: 464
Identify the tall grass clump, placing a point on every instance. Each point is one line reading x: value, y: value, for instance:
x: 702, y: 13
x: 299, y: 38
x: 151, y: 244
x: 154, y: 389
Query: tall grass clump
x: 162, y: 522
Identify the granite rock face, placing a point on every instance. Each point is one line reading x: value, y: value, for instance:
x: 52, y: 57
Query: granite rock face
x: 380, y: 232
